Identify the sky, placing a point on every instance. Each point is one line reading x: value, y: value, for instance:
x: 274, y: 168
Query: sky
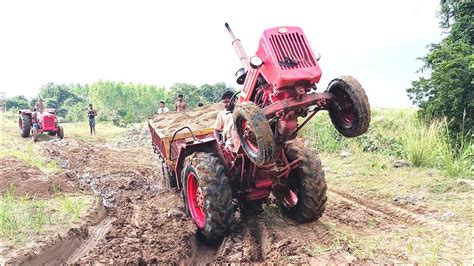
x: 167, y: 42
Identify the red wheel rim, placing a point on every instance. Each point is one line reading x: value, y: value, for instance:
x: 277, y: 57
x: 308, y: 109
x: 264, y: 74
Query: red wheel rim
x: 345, y: 109
x: 291, y: 199
x: 250, y: 138
x: 195, y: 200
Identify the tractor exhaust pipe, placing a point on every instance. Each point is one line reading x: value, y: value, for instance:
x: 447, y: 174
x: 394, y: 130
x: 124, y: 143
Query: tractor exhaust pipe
x: 244, y: 59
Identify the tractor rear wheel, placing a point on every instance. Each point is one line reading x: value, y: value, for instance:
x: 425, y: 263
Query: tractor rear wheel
x: 207, y: 196
x: 24, y: 125
x: 350, y: 109
x: 254, y: 133
x: 305, y: 199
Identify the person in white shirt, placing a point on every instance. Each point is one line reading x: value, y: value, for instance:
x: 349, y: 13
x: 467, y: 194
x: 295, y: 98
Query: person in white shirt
x: 224, y: 122
x: 163, y: 108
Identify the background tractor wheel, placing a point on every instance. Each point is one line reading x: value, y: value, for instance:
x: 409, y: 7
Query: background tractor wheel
x: 254, y: 132
x: 207, y: 196
x: 350, y: 109
x: 24, y: 125
x: 60, y: 132
x: 305, y: 200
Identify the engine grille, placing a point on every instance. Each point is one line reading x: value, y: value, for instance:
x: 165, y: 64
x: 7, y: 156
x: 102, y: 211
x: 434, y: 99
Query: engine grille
x: 291, y: 51
x: 48, y: 122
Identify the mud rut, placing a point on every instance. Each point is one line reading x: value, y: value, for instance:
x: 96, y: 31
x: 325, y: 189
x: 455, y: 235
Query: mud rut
x: 140, y: 222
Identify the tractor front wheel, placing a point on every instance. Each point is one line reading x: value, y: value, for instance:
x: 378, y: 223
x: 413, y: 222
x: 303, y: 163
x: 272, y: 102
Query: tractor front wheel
x: 60, y: 132
x: 24, y: 125
x: 350, y: 109
x: 305, y: 198
x: 207, y: 196
x: 34, y: 134
x: 254, y: 133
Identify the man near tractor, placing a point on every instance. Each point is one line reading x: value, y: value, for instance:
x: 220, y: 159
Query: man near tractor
x: 180, y: 104
x: 163, y: 108
x: 91, y: 113
x: 224, y: 122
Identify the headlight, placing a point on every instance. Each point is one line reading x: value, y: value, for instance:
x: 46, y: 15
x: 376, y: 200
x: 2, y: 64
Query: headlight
x: 255, y: 62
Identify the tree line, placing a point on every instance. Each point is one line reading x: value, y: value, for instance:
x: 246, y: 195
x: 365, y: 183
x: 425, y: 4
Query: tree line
x: 447, y: 87
x: 118, y: 102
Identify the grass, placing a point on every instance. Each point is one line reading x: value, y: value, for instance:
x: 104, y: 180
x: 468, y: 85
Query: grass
x: 105, y: 132
x: 434, y: 165
x: 458, y: 160
x: 23, y: 218
x: 32, y: 156
x: 344, y: 240
x: 421, y: 142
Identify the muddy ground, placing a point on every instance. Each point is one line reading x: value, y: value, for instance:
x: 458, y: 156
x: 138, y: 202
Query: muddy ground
x: 138, y: 221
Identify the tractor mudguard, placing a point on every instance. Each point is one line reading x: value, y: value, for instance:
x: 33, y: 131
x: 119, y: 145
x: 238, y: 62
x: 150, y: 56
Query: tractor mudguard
x: 209, y: 145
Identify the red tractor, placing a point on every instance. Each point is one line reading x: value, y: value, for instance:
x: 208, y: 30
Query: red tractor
x: 35, y: 123
x: 277, y: 99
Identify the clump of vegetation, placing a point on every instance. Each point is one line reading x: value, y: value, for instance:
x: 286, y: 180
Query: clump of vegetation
x: 22, y: 217
x: 421, y: 142
x: 457, y: 157
x: 32, y: 157
x: 400, y: 134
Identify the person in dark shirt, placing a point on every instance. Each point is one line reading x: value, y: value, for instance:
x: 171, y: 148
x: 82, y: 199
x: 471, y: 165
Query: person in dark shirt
x: 91, y: 113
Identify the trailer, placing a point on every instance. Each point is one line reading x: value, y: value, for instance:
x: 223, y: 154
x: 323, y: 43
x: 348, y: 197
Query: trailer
x: 171, y: 131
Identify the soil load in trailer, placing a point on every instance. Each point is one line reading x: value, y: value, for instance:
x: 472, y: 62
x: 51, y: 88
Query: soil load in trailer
x: 166, y: 140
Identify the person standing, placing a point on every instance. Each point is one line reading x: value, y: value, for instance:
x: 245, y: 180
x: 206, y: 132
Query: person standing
x: 163, y: 108
x: 224, y: 124
x: 180, y: 104
x: 91, y: 113
x: 39, y: 105
x: 38, y: 112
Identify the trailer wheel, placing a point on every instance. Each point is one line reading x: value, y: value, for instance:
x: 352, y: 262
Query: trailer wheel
x: 60, y: 132
x: 350, y: 109
x: 305, y: 198
x: 24, y: 125
x: 254, y: 132
x: 208, y: 196
x: 168, y: 176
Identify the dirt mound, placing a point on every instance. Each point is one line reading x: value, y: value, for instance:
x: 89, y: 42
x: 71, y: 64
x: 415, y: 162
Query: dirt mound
x: 137, y: 136
x: 200, y: 118
x: 28, y: 180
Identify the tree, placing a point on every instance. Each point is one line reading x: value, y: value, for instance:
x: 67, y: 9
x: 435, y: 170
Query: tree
x: 17, y: 102
x: 448, y: 88
x: 213, y: 93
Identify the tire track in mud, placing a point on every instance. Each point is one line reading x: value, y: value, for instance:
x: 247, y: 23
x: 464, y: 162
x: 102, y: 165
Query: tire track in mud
x: 378, y: 208
x: 96, y: 234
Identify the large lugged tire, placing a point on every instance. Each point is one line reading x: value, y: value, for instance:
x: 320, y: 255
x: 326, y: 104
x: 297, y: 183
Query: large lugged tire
x: 254, y: 133
x: 306, y: 184
x: 350, y: 109
x: 24, y: 126
x: 208, y: 196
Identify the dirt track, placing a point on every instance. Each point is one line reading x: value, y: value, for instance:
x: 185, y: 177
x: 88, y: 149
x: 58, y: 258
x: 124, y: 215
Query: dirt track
x: 141, y: 222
